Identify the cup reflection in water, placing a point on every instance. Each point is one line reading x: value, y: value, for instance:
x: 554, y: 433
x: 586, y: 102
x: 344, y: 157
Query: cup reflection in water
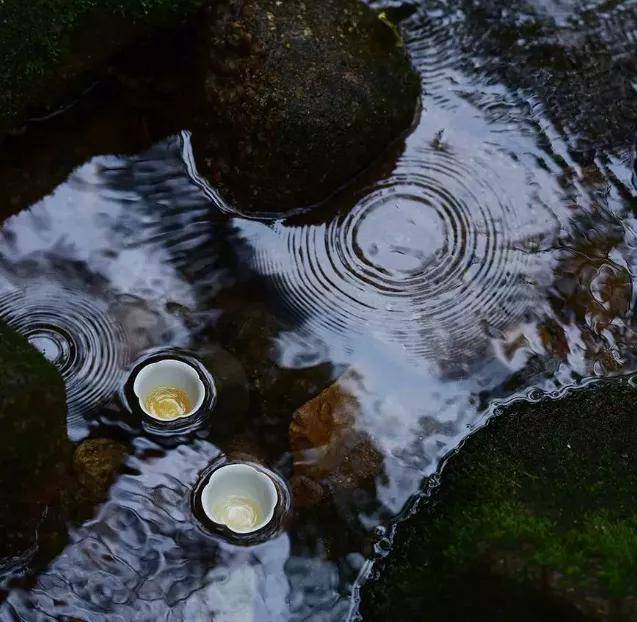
x: 169, y: 390
x: 240, y: 497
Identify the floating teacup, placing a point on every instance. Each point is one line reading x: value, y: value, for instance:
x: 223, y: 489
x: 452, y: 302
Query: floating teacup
x: 240, y: 497
x: 169, y: 390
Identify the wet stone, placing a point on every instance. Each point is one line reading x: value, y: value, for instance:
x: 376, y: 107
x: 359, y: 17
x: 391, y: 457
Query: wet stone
x: 48, y: 51
x: 96, y: 461
x: 301, y: 96
x: 306, y: 491
x: 330, y: 454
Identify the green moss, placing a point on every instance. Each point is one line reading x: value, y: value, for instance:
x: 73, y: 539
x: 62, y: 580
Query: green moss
x: 384, y: 18
x: 46, y: 44
x: 505, y: 524
x: 601, y: 546
x: 613, y: 544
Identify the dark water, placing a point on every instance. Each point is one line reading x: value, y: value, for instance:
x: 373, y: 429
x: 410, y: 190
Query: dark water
x: 489, y: 257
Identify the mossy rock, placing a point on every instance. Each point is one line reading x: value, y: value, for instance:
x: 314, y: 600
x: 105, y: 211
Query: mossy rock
x: 35, y: 452
x: 535, y: 518
x: 301, y: 96
x: 50, y: 49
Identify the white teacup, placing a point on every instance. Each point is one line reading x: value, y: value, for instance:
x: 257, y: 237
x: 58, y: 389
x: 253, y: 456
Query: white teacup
x: 240, y: 497
x: 172, y: 374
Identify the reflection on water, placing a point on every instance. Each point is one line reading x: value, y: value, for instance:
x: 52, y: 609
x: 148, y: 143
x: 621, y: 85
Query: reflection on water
x: 434, y: 258
x: 144, y: 555
x: 93, y: 273
x: 494, y: 259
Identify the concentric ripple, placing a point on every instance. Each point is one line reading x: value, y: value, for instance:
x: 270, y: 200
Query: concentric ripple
x: 430, y: 259
x: 78, y: 337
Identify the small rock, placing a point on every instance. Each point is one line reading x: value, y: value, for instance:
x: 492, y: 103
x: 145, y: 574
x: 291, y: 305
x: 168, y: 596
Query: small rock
x: 96, y: 461
x: 305, y: 491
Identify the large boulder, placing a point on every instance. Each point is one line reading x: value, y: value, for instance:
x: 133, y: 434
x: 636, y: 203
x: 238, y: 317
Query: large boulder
x: 535, y: 518
x: 35, y: 453
x: 301, y: 96
x: 287, y: 100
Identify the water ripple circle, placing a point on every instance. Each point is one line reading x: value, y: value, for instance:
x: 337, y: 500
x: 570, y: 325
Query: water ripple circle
x: 427, y: 259
x: 77, y: 336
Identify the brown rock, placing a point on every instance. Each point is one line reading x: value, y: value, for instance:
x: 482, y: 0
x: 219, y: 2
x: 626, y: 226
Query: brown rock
x: 305, y: 491
x: 329, y: 414
x: 96, y: 461
x: 330, y: 453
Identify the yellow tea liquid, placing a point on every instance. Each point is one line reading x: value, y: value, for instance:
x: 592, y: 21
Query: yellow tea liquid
x: 238, y: 512
x: 168, y: 403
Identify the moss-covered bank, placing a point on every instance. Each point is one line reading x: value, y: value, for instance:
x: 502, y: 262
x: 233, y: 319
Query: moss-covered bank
x: 535, y: 519
x: 44, y: 484
x: 49, y: 48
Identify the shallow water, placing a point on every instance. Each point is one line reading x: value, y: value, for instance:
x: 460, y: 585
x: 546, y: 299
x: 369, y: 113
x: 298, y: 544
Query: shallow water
x: 489, y: 257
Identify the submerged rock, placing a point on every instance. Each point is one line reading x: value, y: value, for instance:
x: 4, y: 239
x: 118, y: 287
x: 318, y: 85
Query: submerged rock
x: 96, y: 462
x: 535, y: 518
x: 330, y: 453
x: 301, y: 97
x: 261, y: 417
x: 575, y: 74
x: 35, y: 452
